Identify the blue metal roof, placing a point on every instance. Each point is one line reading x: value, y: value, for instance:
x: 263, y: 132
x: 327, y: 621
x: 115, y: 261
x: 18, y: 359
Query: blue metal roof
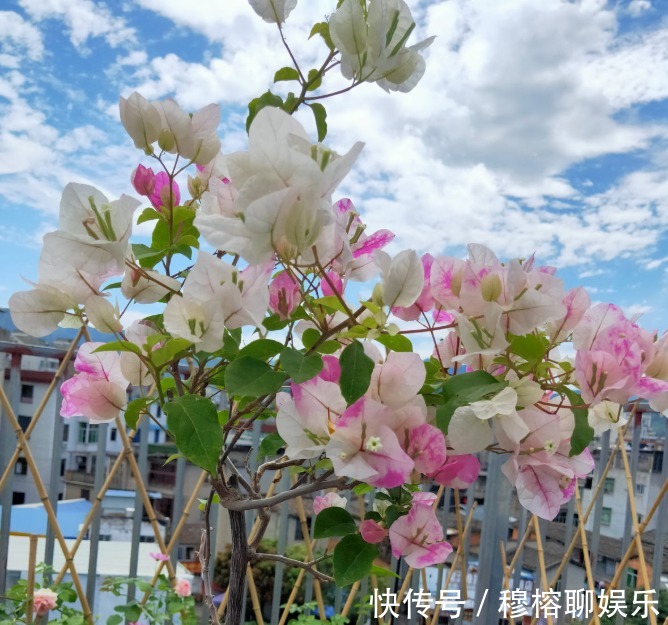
x: 32, y: 518
x: 6, y: 323
x: 116, y: 492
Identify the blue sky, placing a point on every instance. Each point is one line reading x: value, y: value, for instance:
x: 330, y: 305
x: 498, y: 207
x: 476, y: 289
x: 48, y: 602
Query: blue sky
x: 538, y: 126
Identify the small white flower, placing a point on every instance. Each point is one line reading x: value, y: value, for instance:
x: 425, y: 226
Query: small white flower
x: 373, y: 444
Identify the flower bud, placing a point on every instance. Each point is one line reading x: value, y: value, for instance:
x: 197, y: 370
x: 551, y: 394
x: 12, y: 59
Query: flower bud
x: 166, y: 140
x: 143, y: 180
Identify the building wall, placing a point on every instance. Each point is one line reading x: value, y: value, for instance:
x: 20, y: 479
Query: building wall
x: 41, y: 439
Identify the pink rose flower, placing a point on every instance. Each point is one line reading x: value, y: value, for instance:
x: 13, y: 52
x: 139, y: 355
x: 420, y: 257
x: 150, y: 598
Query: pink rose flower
x: 44, y: 600
x: 182, y: 588
x: 159, y: 557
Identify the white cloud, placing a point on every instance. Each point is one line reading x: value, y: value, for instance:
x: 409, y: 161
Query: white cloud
x: 638, y: 7
x: 15, y: 32
x: 84, y: 20
x: 637, y: 310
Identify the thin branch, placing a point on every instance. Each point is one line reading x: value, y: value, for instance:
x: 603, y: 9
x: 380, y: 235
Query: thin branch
x: 268, y: 502
x: 307, y: 566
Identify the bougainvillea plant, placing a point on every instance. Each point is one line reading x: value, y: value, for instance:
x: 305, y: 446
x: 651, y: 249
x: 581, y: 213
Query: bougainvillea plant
x: 253, y: 271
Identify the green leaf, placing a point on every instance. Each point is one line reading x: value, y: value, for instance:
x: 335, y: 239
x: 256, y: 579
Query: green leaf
x: 256, y: 105
x: 531, y: 347
x: 119, y: 346
x: 171, y: 458
x: 134, y: 409
x: 115, y: 619
x: 310, y: 337
x: 363, y: 489
x: 168, y: 352
x: 300, y: 367
x: 331, y: 303
x: 353, y: 559
x: 464, y: 389
x: 583, y: 433
x: 381, y: 571
x: 356, y: 369
x: 261, y: 349
x: 147, y: 256
x: 274, y: 322
x: 148, y: 214
x: 249, y: 377
x: 324, y: 464
x: 396, y: 343
x: 270, y: 445
x: 320, y: 115
x: 332, y: 522
x: 328, y: 347
x: 215, y: 500
x: 231, y: 342
x: 313, y: 80
x: 286, y: 73
x: 193, y: 421
x: 112, y: 285
x: 322, y: 29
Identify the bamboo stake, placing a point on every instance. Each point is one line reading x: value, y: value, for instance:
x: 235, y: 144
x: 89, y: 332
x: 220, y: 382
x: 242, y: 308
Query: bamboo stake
x: 585, y: 553
x: 255, y: 600
x: 637, y: 536
x: 520, y: 546
x: 351, y: 597
x: 139, y: 484
x: 632, y: 546
x: 541, y: 562
x: 30, y: 590
x: 176, y: 533
x: 504, y: 559
x: 309, y: 555
x: 89, y: 517
x: 293, y: 595
x: 462, y: 560
x: 460, y: 548
x: 48, y: 507
x: 590, y: 507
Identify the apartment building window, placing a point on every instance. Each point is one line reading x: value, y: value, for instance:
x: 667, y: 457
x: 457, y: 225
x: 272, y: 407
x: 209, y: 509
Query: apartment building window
x: 85, y: 493
x: 27, y: 393
x: 80, y: 462
x: 606, y: 516
x: 640, y: 489
x: 63, y: 464
x: 21, y: 467
x: 18, y: 498
x: 88, y: 432
x: 609, y: 485
x: 113, y: 433
x: 24, y: 422
x: 66, y: 432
